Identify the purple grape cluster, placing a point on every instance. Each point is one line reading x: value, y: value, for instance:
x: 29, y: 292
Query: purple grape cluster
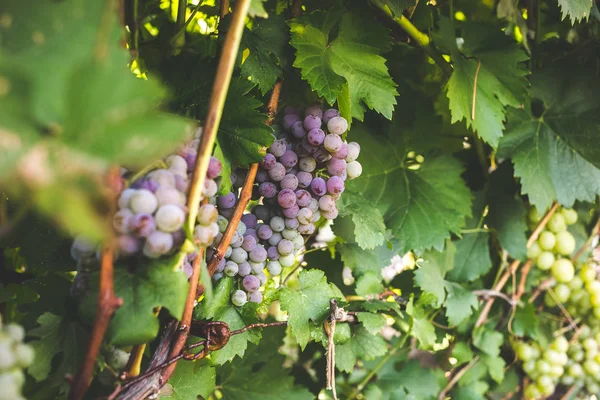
x: 152, y: 211
x: 298, y: 183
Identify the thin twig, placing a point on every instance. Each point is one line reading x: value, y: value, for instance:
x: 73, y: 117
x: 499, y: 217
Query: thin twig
x: 457, y: 377
x: 107, y: 301
x: 475, y: 90
x: 536, y: 233
x: 562, y: 309
x: 595, y: 230
x: 258, y: 325
x: 487, y: 293
x: 215, y: 108
x: 224, y: 8
x: 523, y: 281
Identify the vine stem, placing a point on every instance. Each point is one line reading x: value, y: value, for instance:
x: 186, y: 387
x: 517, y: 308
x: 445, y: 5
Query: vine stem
x: 215, y: 108
x: 457, y: 377
x: 513, y: 266
x: 107, y: 301
x: 419, y: 37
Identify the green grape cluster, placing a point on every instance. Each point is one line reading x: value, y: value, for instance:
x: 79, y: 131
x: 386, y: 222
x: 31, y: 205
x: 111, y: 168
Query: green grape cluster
x: 14, y: 356
x: 545, y: 366
x: 554, y: 244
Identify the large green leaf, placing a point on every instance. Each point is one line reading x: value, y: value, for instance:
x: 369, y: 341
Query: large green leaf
x: 362, y: 345
x: 353, y: 57
x: 192, y: 379
x: 494, y: 63
x: 156, y: 284
x: 549, y: 151
x: 369, y: 229
x: 577, y: 10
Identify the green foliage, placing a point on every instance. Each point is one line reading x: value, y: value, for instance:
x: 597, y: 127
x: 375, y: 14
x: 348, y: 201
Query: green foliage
x: 192, y: 379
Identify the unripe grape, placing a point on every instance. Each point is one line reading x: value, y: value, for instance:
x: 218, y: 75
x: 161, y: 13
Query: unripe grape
x: 591, y: 367
x: 563, y: 270
x: 256, y: 267
x: 169, y: 218
x: 203, y: 235
x: 255, y: 297
x: 277, y: 224
x: 526, y: 352
x: 274, y: 267
x: 306, y: 229
x: 354, y: 169
x: 534, y: 251
x: 117, y: 359
x: 176, y: 163
x: 570, y: 215
x: 353, y: 152
x: 210, y: 188
x: 337, y: 125
x: 562, y: 292
x: 143, y: 202
x: 543, y: 367
x: 207, y: 214
x: 307, y: 164
x: 228, y: 251
x: 565, y: 243
x: 298, y: 242
x: 545, y: 260
x: 239, y: 298
x: 169, y: 195
x: 327, y: 203
x: 125, y: 197
x: 575, y: 370
x: 287, y: 260
x: 231, y: 268
x: 332, y: 143
x: 157, y: 244
x: 557, y: 223
x: 533, y: 215
x: 547, y: 240
x: 546, y: 385
x: 305, y: 216
x: 82, y: 248
x: 285, y: 247
x: 239, y: 255
x: 275, y: 238
x: 162, y: 177
x: 588, y: 273
x: 532, y: 392
x: 241, y: 229
x: 290, y: 234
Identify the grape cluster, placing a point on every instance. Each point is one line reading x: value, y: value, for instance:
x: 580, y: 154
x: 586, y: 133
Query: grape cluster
x: 297, y: 184
x: 554, y: 244
x: 152, y: 211
x: 14, y: 356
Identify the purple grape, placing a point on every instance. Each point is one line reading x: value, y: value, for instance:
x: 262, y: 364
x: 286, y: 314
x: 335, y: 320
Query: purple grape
x: 292, y: 223
x: 298, y: 130
x: 305, y: 216
x: 336, y: 166
x: 275, y: 239
x: 289, y: 159
x: 190, y: 156
x: 303, y: 198
x: 307, y: 164
x: 311, y: 122
x: 310, y: 149
x: 291, y: 110
x: 321, y: 155
x: 327, y: 203
x: 291, y: 212
x: 304, y: 179
x: 315, y: 110
x: 214, y: 168
x: 285, y: 247
x: 273, y: 253
x: 249, y: 243
x: 251, y: 232
x: 255, y: 297
x: 289, y: 120
x: 181, y: 183
x: 264, y: 232
x: 261, y: 176
x: 332, y: 143
x: 342, y: 153
x: 306, y: 229
x: 286, y: 198
x: 221, y: 265
x: 244, y: 268
x: 318, y: 186
x: 227, y: 213
x: 129, y: 245
x: 259, y: 254
x: 331, y: 113
x: 251, y: 283
x: 267, y: 189
x: 278, y: 147
x: 261, y: 212
x: 188, y: 270
x: 315, y: 136
x: 151, y: 185
x: 335, y: 185
x: 330, y: 214
x: 268, y: 161
x: 178, y: 238
x: 289, y: 181
x: 277, y: 172
x: 143, y: 225
x: 233, y: 177
x: 226, y: 202
x: 249, y: 220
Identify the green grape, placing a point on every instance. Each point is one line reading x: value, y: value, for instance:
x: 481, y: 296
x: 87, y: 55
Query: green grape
x: 557, y: 371
x: 532, y: 392
x: 584, y: 332
x: 545, y: 260
x: 543, y: 367
x: 565, y: 243
x: 576, y: 283
x: 534, y: 251
x: 575, y: 370
x: 563, y: 270
x: 589, y: 344
x: 549, y: 300
x: 562, y: 293
x: 557, y: 223
x: 527, y: 352
x: 552, y: 356
x: 534, y: 216
x: 588, y: 273
x: 545, y: 384
x: 560, y: 344
x: 570, y: 215
x: 592, y: 387
x: 547, y: 240
x: 567, y: 380
x: 529, y: 367
x: 578, y: 356
x: 591, y: 367
x: 342, y: 333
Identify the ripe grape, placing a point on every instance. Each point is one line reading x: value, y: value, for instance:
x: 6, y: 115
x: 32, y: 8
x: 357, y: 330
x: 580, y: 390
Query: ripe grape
x: 157, y: 244
x: 329, y: 114
x: 255, y: 297
x: 250, y: 283
x: 565, y: 243
x: 312, y: 122
x: 289, y: 181
x: 563, y: 270
x: 143, y: 202
x: 337, y: 125
x: 278, y: 172
x: 214, y: 168
x: 547, y: 240
x: 259, y: 254
x: 332, y: 143
x: 169, y: 218
x: 335, y: 185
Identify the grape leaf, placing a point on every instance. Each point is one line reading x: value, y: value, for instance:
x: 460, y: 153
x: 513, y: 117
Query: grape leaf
x: 310, y: 303
x: 507, y: 218
x: 488, y: 341
x: 155, y: 285
x: 462, y: 352
x: 418, y: 382
x: 372, y: 322
x: 192, y: 379
x: 369, y: 285
x: 369, y: 231
x: 460, y: 303
x: 269, y: 379
x: 48, y: 345
x: 421, y: 206
x: 497, y: 62
x: 257, y: 9
x: 219, y: 308
x: 540, y: 147
x: 353, y: 57
x: 243, y: 134
x: 495, y: 365
x: 266, y: 43
x: 422, y: 329
x: 362, y: 345
x: 577, y: 10
x: 472, y: 257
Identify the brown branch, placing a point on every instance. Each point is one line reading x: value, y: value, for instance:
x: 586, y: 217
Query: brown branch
x: 224, y: 8
x: 522, y: 282
x: 457, y: 377
x: 107, y: 301
x: 296, y: 8
x: 536, y: 233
